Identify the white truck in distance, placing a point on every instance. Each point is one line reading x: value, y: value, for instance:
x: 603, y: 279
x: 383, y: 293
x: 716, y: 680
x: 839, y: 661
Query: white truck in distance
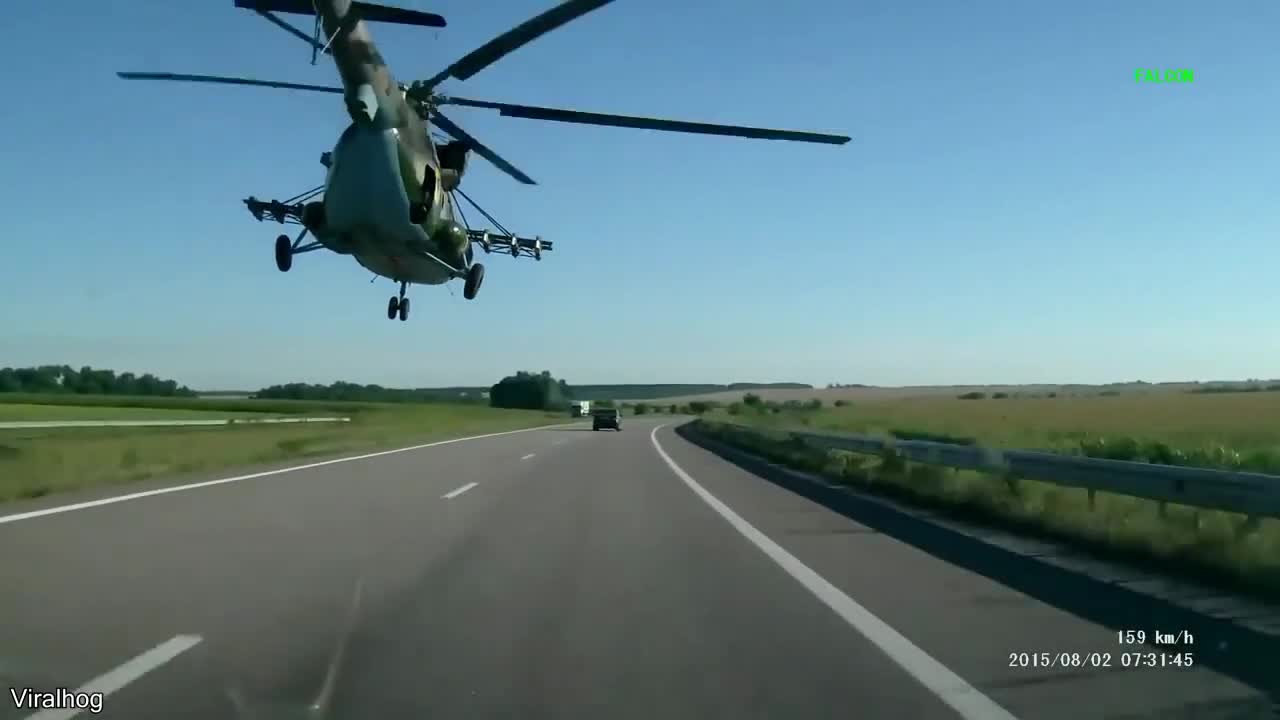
x: 580, y: 408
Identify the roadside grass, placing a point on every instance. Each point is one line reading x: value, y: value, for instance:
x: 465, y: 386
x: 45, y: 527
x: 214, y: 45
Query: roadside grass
x: 1203, y: 544
x: 34, y: 463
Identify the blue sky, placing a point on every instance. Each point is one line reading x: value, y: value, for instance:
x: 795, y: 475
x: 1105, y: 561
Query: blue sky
x: 1013, y: 207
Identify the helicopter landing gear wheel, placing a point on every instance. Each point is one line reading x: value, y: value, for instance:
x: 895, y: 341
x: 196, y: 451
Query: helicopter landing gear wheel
x: 399, y: 305
x: 475, y: 276
x: 284, y: 253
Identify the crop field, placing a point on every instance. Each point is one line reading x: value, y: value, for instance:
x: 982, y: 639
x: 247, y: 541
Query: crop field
x: 1243, y: 422
x: 39, y: 462
x: 1230, y: 431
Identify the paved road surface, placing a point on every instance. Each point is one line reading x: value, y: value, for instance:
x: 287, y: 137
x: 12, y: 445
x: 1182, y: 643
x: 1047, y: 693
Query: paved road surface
x: 556, y: 573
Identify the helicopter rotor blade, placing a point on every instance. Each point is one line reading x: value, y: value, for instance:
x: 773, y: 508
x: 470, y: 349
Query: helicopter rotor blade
x: 228, y: 81
x: 534, y: 112
x: 274, y: 20
x: 515, y: 38
x: 479, y: 148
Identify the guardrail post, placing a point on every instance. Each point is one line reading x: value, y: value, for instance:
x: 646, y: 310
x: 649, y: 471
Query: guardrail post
x: 1251, y: 523
x: 1011, y: 480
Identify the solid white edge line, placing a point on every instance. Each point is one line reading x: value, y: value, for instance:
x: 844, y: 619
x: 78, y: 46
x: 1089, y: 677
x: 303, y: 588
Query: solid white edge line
x: 459, y: 491
x: 122, y: 675
x: 526, y: 457
x: 949, y: 687
x: 210, y: 483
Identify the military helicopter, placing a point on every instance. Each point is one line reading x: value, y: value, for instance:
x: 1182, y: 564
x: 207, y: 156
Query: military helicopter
x: 389, y: 190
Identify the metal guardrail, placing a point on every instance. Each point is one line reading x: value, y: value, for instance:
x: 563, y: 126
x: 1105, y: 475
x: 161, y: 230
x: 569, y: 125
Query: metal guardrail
x: 1252, y: 494
x: 33, y: 424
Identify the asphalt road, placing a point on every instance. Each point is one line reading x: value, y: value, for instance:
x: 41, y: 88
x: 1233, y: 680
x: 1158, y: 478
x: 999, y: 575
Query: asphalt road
x: 556, y: 573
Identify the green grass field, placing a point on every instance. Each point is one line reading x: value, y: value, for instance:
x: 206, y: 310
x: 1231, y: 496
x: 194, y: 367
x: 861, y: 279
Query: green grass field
x: 34, y: 463
x: 224, y: 405
x: 1207, y: 544
x: 12, y: 412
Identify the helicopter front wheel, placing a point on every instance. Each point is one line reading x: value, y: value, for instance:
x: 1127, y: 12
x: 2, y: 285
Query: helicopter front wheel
x: 284, y: 253
x: 475, y: 276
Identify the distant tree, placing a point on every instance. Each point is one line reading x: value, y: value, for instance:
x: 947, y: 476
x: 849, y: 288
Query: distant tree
x: 973, y: 396
x: 841, y: 403
x: 674, y: 409
x: 85, y: 381
x: 814, y: 404
x: 642, y: 408
x: 528, y: 391
x: 752, y: 400
x: 1000, y: 396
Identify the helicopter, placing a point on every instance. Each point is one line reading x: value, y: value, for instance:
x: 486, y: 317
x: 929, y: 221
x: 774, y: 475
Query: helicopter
x: 390, y: 189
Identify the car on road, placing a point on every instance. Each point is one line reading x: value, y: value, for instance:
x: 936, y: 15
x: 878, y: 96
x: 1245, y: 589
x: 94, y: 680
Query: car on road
x: 606, y: 418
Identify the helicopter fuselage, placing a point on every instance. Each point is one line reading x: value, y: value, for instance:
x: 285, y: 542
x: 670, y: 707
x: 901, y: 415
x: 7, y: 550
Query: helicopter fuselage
x: 379, y: 167
x: 370, y: 181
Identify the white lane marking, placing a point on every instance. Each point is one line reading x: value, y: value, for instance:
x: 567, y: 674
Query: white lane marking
x: 115, y: 679
x: 526, y: 457
x: 459, y: 491
x: 952, y: 689
x: 210, y: 483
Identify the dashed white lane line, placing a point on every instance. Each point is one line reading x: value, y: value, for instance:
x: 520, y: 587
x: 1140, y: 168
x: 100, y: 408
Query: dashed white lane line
x: 124, y: 674
x: 210, y: 483
x: 526, y: 457
x: 459, y: 491
x: 949, y: 687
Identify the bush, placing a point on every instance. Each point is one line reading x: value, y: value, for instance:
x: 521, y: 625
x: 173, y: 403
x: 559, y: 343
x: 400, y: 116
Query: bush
x: 973, y: 396
x: 752, y: 400
x: 642, y: 408
x: 841, y: 403
x: 1000, y: 396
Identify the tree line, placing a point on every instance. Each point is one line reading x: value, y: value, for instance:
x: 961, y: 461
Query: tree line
x: 63, y: 379
x: 523, y: 390
x: 354, y: 392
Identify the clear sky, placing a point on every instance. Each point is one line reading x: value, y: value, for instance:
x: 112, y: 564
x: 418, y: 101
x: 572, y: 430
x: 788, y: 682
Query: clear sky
x: 1013, y: 207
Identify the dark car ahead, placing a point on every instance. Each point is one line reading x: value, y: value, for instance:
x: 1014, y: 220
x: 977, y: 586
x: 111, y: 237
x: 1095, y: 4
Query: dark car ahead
x: 606, y: 418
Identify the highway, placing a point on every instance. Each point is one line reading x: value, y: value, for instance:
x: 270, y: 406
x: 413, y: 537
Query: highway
x: 554, y: 573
